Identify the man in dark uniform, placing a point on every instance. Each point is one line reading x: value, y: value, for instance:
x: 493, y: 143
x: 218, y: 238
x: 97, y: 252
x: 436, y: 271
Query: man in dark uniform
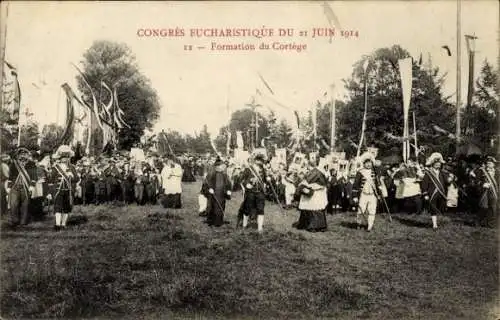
x: 100, y: 190
x: 64, y: 177
x: 113, y: 181
x: 4, y: 177
x: 334, y: 192
x: 128, y: 183
x: 435, y: 187
x: 23, y: 176
x: 149, y: 181
x: 254, y: 178
x: 87, y: 182
x: 487, y: 180
x: 40, y: 191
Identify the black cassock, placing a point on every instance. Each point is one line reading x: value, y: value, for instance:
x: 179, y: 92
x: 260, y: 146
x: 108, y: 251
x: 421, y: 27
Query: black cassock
x: 488, y: 201
x: 188, y: 172
x: 220, y: 183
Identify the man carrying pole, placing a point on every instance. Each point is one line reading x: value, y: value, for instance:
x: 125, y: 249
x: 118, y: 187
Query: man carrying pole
x: 435, y: 187
x: 366, y: 190
x: 253, y: 178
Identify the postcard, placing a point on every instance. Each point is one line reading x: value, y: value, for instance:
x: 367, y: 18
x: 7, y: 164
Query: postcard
x: 151, y: 99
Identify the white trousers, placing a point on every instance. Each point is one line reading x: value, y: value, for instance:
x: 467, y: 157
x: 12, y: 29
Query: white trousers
x: 367, y: 204
x: 202, y: 203
x: 289, y: 192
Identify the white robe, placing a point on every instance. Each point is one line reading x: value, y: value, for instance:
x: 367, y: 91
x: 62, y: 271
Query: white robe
x: 172, y: 179
x: 452, y: 196
x: 318, y: 201
x: 407, y: 187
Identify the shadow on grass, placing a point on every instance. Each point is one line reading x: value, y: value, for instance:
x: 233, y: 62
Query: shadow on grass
x: 76, y: 220
x: 21, y: 233
x: 105, y: 217
x: 156, y: 216
x: 349, y: 225
x: 412, y: 223
x: 468, y: 220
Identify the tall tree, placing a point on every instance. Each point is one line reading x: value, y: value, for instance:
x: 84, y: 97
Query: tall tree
x: 324, y: 124
x: 201, y: 143
x: 483, y: 118
x: 244, y: 120
x: 114, y: 64
x: 8, y: 138
x: 178, y: 142
x: 29, y: 136
x: 385, y: 104
x: 49, y: 137
x: 281, y: 134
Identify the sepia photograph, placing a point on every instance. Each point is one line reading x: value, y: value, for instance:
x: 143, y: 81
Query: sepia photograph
x: 249, y: 159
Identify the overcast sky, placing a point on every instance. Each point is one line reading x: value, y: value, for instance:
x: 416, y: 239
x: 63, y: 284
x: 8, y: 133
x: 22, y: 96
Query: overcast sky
x: 44, y: 38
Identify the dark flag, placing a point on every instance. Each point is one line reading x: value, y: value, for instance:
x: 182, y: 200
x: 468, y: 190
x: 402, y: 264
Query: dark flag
x: 266, y: 84
x: 11, y: 94
x: 330, y: 16
x: 70, y: 116
x: 448, y: 51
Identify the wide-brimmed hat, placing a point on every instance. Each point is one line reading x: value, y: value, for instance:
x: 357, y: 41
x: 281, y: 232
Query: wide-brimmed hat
x: 435, y: 157
x: 218, y: 162
x: 367, y: 156
x: 490, y: 159
x: 23, y: 153
x: 64, y: 151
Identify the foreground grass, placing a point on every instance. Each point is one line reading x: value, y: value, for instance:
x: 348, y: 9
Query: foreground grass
x: 147, y: 262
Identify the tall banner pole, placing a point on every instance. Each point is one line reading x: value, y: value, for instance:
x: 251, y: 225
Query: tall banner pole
x: 19, y: 125
x: 256, y: 130
x: 17, y: 102
x: 415, y: 136
x: 470, y: 41
x: 314, y: 124
x: 4, y: 10
x: 405, y: 66
x: 228, y: 110
x: 89, y: 132
x: 459, y: 71
x: 333, y: 119
x: 363, y: 124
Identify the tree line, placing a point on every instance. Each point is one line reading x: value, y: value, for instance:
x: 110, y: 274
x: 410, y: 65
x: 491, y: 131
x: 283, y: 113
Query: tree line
x: 115, y: 64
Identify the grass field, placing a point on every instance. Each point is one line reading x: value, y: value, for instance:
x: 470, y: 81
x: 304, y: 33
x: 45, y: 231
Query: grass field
x: 152, y: 263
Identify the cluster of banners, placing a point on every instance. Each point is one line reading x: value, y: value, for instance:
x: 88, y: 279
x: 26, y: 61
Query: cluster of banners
x: 82, y: 119
x: 104, y: 117
x: 85, y: 120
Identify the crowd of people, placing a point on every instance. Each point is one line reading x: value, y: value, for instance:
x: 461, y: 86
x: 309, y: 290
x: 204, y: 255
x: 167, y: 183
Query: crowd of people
x: 315, y: 188
x: 367, y: 186
x: 29, y: 184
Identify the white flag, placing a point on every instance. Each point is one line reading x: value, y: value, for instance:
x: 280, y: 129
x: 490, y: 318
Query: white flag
x: 405, y: 69
x: 239, y: 140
